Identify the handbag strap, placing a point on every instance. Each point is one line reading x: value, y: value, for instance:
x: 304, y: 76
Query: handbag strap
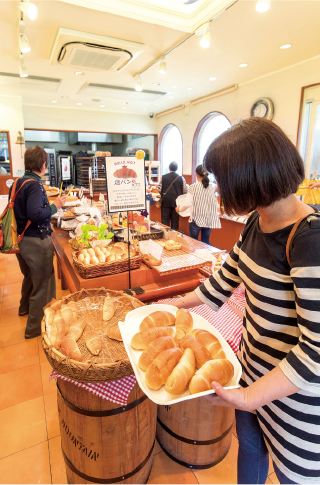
x: 292, y: 233
x: 171, y: 185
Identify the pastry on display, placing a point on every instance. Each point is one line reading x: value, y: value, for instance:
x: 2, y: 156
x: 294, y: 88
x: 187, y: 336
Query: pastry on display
x: 57, y: 330
x: 93, y: 341
x: 218, y: 370
x: 108, y: 308
x: 202, y: 355
x: 151, y: 260
x: 184, y: 323
x: 154, y: 349
x: 210, y: 342
x: 161, y: 243
x: 160, y: 369
x: 182, y: 374
x: 109, y: 254
x: 72, y: 198
x: 157, y: 319
x: 125, y: 173
x: 70, y: 348
x: 141, y: 340
x: 76, y: 328
x: 114, y: 333
x: 172, y: 245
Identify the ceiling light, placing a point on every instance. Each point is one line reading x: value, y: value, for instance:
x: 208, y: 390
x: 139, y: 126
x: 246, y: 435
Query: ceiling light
x: 263, y: 5
x: 138, y: 83
x: 64, y: 97
x: 79, y: 104
x: 156, y: 104
x: 24, y: 44
x: 163, y: 65
x: 54, y: 101
x: 124, y: 102
x: 156, y: 84
x: 102, y: 105
x: 144, y: 109
x: 95, y: 100
x: 22, y: 68
x: 285, y: 46
x: 79, y: 73
x: 29, y: 9
x: 174, y: 86
x: 243, y: 65
x: 212, y: 78
x: 206, y: 40
x: 171, y: 97
x: 189, y: 89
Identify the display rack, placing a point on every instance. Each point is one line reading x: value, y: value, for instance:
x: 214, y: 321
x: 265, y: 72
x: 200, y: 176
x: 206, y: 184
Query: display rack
x: 153, y: 172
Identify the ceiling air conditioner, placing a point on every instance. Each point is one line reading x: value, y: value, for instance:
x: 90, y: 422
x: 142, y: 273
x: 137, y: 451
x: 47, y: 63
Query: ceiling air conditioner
x: 92, y: 52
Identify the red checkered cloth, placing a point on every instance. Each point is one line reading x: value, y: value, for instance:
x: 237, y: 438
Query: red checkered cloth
x: 226, y: 321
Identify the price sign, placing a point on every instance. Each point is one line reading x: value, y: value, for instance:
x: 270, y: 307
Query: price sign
x: 126, y: 184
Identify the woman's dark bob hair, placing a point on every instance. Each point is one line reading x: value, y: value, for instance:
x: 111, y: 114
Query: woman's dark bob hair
x: 255, y: 164
x: 34, y: 158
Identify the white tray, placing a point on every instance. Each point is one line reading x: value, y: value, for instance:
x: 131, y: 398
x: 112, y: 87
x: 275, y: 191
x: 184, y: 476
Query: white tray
x: 130, y: 327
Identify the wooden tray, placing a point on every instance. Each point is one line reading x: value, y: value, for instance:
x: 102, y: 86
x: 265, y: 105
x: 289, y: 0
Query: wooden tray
x: 112, y: 363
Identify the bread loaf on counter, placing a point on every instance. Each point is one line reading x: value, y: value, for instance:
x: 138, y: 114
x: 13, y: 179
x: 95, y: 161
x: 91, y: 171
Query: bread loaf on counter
x: 141, y: 340
x: 219, y: 370
x: 154, y: 349
x: 157, y: 319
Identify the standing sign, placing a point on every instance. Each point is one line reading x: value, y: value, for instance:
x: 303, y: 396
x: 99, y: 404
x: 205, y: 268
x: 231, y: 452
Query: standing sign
x: 126, y: 184
x: 65, y: 168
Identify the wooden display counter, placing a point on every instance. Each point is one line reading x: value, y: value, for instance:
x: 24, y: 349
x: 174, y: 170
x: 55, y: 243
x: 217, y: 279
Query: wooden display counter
x: 155, y: 286
x: 224, y: 238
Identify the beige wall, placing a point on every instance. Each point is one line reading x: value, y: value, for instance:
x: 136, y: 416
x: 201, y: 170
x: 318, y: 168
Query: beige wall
x: 86, y: 120
x: 283, y: 87
x: 11, y: 119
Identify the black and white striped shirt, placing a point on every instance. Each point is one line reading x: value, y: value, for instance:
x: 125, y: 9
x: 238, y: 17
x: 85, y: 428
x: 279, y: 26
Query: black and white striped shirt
x: 281, y: 327
x: 204, y: 206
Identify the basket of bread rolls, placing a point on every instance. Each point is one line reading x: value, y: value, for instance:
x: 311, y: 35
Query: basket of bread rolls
x: 81, y: 337
x: 177, y: 354
x: 101, y: 261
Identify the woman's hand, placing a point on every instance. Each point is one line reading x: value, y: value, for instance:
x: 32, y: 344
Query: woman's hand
x: 178, y: 209
x: 232, y: 398
x: 60, y: 201
x: 314, y: 185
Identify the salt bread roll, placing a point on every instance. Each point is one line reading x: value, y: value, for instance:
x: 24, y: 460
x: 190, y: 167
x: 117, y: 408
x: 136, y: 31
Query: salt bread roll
x: 181, y: 374
x: 141, y: 340
x: 108, y: 308
x: 74, y: 308
x: 114, y: 333
x: 154, y: 349
x: 160, y: 369
x: 184, y: 323
x: 93, y: 341
x: 157, y: 319
x: 76, y: 328
x: 67, y: 315
x: 219, y: 370
x: 57, y: 331
x: 210, y: 342
x: 49, y: 315
x: 201, y: 354
x: 70, y: 347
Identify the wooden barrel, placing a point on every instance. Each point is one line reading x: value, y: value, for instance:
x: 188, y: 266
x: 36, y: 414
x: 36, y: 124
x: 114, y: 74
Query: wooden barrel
x: 103, y: 442
x: 194, y: 433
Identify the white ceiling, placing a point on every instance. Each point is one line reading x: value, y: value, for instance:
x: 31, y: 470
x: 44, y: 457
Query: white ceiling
x: 239, y: 34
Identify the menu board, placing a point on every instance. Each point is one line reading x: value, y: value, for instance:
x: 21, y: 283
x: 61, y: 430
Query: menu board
x: 65, y: 168
x: 126, y: 184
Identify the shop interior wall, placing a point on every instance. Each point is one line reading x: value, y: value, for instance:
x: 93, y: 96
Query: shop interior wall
x: 11, y: 119
x: 283, y: 87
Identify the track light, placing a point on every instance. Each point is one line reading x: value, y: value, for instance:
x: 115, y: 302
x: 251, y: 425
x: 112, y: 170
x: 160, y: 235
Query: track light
x: 23, y: 43
x: 29, y: 9
x: 163, y: 65
x: 206, y: 39
x: 263, y: 5
x: 22, y: 69
x: 138, y: 83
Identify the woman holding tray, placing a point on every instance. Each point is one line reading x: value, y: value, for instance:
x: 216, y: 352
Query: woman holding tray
x: 258, y: 169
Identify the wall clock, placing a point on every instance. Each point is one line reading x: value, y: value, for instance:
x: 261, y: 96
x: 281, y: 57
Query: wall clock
x: 262, y: 108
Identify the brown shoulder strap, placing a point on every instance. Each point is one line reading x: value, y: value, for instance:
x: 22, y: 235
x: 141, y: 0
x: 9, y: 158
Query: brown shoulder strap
x: 292, y: 233
x: 171, y: 185
x: 13, y: 198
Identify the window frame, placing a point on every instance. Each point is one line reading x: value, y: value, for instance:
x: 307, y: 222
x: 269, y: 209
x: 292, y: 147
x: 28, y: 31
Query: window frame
x: 196, y: 136
x: 160, y: 144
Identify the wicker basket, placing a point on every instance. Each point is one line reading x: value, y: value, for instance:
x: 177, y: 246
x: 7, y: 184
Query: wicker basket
x: 104, y: 269
x: 112, y: 363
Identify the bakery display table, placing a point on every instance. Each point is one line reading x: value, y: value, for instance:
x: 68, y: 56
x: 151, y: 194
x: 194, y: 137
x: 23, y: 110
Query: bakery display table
x: 154, y: 286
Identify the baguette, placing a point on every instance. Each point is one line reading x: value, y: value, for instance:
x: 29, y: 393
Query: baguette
x: 76, y: 328
x: 114, y: 333
x: 181, y: 374
x: 70, y: 347
x: 57, y: 331
x: 108, y: 308
x: 93, y: 341
x: 141, y: 340
x: 157, y: 319
x: 154, y: 349
x: 160, y: 369
x: 184, y: 323
x: 218, y: 370
x: 202, y: 355
x: 210, y: 342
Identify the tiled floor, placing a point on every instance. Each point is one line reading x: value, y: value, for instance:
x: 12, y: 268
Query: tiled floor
x: 30, y: 450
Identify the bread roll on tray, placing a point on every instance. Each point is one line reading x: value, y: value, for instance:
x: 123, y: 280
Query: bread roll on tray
x: 218, y: 370
x: 76, y: 328
x: 210, y: 342
x: 114, y: 333
x: 57, y: 331
x: 141, y: 340
x: 181, y: 374
x: 157, y: 319
x: 184, y: 323
x: 202, y: 355
x: 160, y: 369
x: 70, y: 348
x: 93, y: 341
x: 154, y: 349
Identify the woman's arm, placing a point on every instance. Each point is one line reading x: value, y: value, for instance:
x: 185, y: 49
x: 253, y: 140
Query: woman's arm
x: 36, y: 212
x: 314, y: 185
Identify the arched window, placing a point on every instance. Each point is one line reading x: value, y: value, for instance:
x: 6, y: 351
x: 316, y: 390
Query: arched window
x: 170, y: 148
x: 209, y: 128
